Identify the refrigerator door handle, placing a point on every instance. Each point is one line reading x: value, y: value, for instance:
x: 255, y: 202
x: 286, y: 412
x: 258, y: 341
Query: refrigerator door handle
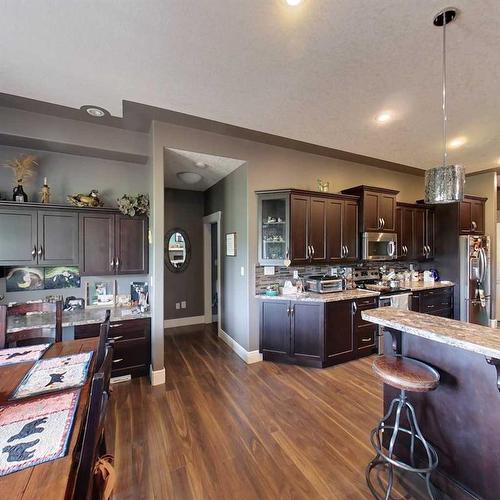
x: 483, y: 262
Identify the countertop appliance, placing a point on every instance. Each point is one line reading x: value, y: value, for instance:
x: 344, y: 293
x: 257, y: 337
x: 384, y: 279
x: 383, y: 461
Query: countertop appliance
x: 324, y: 284
x: 379, y: 246
x: 475, y: 273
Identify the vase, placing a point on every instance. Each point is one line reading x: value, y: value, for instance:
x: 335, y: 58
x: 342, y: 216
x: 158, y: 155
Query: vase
x: 19, y: 195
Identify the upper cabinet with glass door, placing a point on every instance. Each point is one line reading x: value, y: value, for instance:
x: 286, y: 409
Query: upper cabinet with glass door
x: 274, y: 228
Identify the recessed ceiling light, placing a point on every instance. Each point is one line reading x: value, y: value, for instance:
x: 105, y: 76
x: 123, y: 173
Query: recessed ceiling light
x: 293, y: 3
x: 95, y: 111
x: 189, y: 177
x: 457, y: 142
x: 384, y: 117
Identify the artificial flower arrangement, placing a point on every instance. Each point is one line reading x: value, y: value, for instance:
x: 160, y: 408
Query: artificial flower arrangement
x: 134, y: 205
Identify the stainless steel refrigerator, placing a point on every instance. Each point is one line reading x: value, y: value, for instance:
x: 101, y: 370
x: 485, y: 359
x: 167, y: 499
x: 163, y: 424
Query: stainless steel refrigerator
x: 475, y: 283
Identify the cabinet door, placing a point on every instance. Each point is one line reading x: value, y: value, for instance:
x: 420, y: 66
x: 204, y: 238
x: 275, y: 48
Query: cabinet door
x: 350, y: 233
x: 339, y: 341
x: 274, y: 237
x: 430, y: 224
x: 18, y: 234
x: 97, y: 244
x: 419, y: 233
x: 465, y: 216
x: 131, y: 245
x: 387, y: 211
x: 307, y: 329
x: 407, y: 240
x: 334, y: 241
x: 371, y: 212
x: 275, y: 326
x: 299, y: 229
x: 477, y: 216
x: 57, y: 238
x: 317, y: 229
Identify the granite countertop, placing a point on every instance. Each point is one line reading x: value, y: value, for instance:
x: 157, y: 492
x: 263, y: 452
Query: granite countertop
x: 416, y: 286
x: 85, y: 316
x: 324, y: 297
x: 468, y: 336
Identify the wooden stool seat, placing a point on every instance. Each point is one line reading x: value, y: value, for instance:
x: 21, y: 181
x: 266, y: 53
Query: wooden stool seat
x: 406, y: 374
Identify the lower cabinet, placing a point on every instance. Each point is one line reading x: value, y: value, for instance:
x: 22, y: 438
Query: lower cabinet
x: 316, y: 333
x: 438, y: 302
x: 131, y: 345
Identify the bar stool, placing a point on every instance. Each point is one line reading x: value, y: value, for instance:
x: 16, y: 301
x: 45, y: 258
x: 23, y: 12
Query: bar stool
x: 409, y: 375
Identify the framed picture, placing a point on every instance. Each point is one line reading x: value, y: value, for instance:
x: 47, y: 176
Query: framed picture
x: 21, y: 279
x: 61, y: 277
x: 231, y: 244
x: 101, y: 293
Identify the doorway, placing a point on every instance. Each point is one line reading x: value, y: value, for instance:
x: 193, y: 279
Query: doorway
x: 212, y: 268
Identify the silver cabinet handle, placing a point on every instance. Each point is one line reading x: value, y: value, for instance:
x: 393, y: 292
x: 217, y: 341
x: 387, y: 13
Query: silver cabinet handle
x: 117, y: 260
x: 293, y: 310
x: 33, y: 252
x: 117, y: 360
x: 366, y: 340
x: 354, y: 308
x: 474, y: 225
x: 383, y: 223
x: 118, y: 337
x: 40, y: 251
x: 379, y: 223
x: 112, y: 264
x: 346, y: 251
x: 342, y: 251
x: 313, y: 252
x: 288, y: 311
x: 116, y: 325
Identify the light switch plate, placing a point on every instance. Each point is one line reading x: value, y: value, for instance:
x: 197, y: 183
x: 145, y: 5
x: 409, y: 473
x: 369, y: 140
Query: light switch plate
x: 183, y: 304
x: 268, y: 270
x: 177, y: 305
x: 242, y: 271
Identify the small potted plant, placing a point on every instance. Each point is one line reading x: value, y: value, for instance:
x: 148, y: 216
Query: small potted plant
x: 24, y: 167
x: 134, y: 205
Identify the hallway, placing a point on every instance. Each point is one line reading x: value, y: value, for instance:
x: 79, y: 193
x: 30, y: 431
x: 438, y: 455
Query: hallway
x: 221, y: 429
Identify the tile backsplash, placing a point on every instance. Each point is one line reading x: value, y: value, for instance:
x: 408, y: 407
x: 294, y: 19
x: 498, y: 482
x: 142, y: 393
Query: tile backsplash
x: 281, y: 274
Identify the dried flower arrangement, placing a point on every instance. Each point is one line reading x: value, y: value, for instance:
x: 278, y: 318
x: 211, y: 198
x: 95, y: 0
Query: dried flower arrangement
x: 134, y: 205
x: 23, y: 166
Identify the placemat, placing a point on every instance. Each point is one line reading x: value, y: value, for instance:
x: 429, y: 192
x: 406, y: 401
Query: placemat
x: 22, y: 354
x: 36, y: 431
x: 54, y: 374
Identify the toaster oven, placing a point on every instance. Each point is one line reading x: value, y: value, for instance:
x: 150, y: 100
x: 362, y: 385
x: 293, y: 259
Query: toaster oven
x: 324, y: 284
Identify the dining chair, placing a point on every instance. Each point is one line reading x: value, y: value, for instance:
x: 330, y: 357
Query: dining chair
x: 103, y: 339
x: 35, y: 333
x: 95, y: 475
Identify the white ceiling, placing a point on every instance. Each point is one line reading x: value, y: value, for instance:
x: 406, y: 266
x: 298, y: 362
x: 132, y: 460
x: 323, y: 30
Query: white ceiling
x: 211, y: 168
x: 319, y: 72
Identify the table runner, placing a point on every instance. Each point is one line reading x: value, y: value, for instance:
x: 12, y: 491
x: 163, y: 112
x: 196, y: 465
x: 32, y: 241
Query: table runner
x: 22, y: 354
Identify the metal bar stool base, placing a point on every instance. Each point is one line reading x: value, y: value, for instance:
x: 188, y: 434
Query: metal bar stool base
x: 383, y: 458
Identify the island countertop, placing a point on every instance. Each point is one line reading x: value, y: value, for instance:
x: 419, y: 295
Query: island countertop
x: 475, y: 338
x: 87, y: 316
x: 417, y: 286
x: 323, y: 297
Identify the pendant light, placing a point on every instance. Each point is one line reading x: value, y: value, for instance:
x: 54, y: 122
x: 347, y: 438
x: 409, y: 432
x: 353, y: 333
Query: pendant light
x: 444, y: 184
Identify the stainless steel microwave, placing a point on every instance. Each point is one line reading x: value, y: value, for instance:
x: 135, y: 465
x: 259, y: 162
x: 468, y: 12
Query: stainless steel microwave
x: 379, y: 246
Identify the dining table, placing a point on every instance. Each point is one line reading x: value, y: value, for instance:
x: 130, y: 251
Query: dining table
x: 52, y: 480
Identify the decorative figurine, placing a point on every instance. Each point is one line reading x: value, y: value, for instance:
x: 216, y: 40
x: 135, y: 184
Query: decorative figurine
x: 45, y: 192
x: 86, y: 200
x: 323, y: 187
x: 24, y: 167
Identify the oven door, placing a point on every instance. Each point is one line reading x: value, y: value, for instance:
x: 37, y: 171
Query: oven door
x: 379, y: 246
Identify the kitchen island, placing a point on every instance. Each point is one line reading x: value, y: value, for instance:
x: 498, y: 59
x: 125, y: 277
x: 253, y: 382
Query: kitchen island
x: 315, y: 329
x: 461, y: 418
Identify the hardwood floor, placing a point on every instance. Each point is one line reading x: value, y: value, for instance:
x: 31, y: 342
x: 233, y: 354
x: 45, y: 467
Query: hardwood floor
x: 221, y: 429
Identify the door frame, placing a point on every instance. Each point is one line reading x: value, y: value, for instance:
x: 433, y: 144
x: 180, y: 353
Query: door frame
x: 215, y: 218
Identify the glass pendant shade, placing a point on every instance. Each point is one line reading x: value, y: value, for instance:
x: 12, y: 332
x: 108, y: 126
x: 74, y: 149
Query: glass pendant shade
x: 444, y: 184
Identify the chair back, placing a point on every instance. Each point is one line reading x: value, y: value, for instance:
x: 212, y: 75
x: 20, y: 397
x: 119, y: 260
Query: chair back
x: 56, y: 308
x: 94, y: 429
x: 103, y: 340
x: 3, y: 325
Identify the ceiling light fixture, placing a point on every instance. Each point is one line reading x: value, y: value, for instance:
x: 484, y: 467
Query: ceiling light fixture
x: 95, y: 111
x: 457, y: 142
x: 201, y: 164
x: 444, y: 184
x: 383, y: 117
x: 189, y: 177
x: 293, y: 3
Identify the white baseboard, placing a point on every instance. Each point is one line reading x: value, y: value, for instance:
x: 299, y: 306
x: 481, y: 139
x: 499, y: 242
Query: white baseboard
x: 248, y: 357
x: 157, y: 377
x: 191, y: 320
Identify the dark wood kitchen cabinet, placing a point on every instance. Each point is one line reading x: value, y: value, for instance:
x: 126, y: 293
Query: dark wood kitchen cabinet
x: 437, y: 301
x: 38, y: 237
x: 314, y: 333
x: 342, y: 244
x: 131, y: 345
x: 415, y: 231
x: 377, y: 211
x: 472, y: 214
x: 113, y: 244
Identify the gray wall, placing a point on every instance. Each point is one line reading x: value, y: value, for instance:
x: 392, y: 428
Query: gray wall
x: 70, y: 174
x: 184, y: 209
x: 230, y: 197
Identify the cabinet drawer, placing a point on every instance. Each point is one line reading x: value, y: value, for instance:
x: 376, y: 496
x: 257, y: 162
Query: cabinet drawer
x: 443, y: 313
x: 366, y: 336
x: 368, y: 303
x: 130, y: 356
x: 119, y: 330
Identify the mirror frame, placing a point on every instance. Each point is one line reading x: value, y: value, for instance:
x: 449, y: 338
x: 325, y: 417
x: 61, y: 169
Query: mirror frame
x: 187, y: 244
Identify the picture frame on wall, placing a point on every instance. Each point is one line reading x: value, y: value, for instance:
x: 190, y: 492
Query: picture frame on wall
x: 231, y: 244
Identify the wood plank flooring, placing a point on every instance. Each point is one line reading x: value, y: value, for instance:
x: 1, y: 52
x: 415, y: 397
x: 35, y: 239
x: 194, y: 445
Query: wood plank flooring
x: 221, y: 429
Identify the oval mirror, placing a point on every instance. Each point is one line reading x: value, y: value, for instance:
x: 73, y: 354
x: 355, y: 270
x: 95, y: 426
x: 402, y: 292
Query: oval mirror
x: 177, y: 250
